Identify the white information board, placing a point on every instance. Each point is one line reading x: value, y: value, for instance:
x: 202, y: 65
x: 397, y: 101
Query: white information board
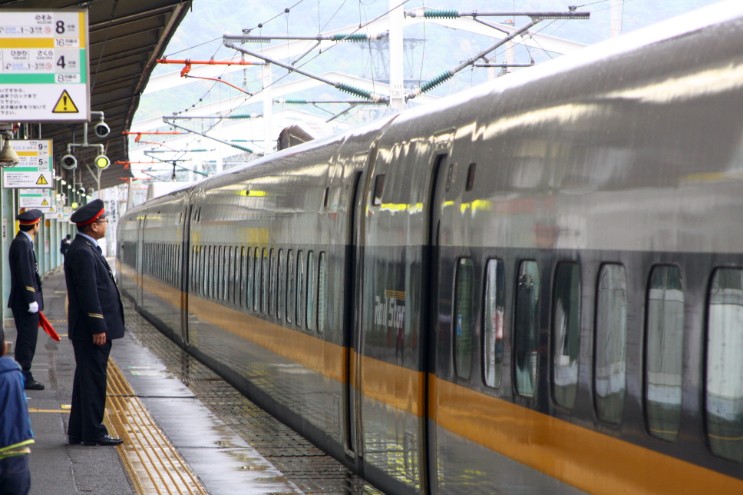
x: 40, y: 199
x: 35, y: 168
x: 44, y: 68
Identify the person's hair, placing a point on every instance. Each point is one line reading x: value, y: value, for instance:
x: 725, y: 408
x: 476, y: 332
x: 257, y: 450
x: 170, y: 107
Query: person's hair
x: 26, y: 228
x: 69, y: 236
x: 2, y: 342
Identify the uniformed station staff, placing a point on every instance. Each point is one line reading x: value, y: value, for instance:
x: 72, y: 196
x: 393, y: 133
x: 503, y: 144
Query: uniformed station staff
x: 95, y: 317
x: 26, y: 299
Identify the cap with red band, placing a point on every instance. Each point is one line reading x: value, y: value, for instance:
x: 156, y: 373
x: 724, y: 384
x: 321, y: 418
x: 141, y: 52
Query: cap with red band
x: 88, y: 214
x: 29, y: 217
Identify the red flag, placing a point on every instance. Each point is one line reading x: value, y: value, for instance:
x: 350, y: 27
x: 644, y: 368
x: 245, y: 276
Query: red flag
x: 47, y: 327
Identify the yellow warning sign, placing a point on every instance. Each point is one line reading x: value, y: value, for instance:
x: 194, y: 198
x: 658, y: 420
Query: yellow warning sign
x: 65, y: 104
x: 42, y: 181
x: 45, y: 203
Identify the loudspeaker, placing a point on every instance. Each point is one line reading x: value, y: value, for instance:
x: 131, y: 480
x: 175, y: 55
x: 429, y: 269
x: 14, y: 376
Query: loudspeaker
x: 69, y: 162
x: 8, y: 156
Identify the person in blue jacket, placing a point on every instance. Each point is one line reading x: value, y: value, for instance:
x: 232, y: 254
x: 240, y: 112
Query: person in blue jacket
x: 96, y: 317
x: 16, y: 435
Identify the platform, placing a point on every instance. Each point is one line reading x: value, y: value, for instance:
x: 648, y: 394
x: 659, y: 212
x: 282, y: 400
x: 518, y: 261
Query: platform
x: 184, y: 429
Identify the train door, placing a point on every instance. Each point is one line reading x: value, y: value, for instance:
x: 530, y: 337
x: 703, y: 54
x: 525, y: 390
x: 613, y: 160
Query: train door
x: 350, y: 339
x: 431, y: 282
x: 185, y: 271
x: 393, y: 330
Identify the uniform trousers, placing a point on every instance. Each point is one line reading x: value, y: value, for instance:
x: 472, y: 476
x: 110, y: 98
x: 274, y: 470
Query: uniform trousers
x: 15, y: 475
x: 89, y: 391
x: 27, y: 325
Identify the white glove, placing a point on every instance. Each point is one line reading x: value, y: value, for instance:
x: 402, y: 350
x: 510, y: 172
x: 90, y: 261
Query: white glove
x: 33, y: 307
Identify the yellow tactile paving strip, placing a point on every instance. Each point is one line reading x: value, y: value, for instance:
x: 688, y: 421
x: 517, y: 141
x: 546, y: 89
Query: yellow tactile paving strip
x: 153, y: 464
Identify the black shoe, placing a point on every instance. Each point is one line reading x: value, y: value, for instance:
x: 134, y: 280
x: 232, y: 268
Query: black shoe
x: 34, y: 385
x: 104, y: 440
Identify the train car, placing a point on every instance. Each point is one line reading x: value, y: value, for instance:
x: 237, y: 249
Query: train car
x: 533, y: 287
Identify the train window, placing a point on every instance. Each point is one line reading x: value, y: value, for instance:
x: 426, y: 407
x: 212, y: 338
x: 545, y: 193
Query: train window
x: 234, y: 275
x: 610, y: 343
x: 256, y: 280
x: 272, y: 287
x: 224, y: 293
x: 248, y: 279
x: 565, y: 333
x: 229, y: 278
x: 301, y: 287
x: 215, y: 271
x: 203, y: 270
x: 281, y: 289
x: 322, y: 288
x: 724, y: 386
x: 209, y: 268
x: 265, y: 281
x: 291, y: 286
x: 525, y: 329
x: 664, y: 336
x: 493, y: 310
x: 242, y: 278
x: 311, y: 290
x: 471, y: 176
x: 378, y: 190
x: 463, y: 320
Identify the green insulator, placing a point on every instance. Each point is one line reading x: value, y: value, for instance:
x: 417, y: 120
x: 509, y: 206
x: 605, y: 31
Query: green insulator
x: 354, y: 90
x: 436, y: 81
x: 441, y: 14
x: 290, y: 101
x: 353, y: 37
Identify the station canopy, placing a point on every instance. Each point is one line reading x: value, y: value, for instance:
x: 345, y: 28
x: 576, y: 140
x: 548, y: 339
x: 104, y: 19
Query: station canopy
x: 126, y: 37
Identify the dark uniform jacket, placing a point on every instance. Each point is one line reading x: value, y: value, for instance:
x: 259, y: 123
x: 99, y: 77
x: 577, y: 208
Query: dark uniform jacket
x: 94, y: 301
x: 25, y: 283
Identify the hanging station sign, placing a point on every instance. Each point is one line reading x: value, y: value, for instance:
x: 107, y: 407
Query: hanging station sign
x: 35, y: 168
x: 44, y: 68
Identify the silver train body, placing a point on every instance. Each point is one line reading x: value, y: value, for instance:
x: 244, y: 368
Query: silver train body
x: 533, y: 287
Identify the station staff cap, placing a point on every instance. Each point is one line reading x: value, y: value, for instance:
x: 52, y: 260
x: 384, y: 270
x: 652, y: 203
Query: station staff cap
x: 29, y: 217
x: 85, y: 215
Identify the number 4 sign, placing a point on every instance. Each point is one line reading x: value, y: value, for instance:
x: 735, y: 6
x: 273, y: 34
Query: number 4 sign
x: 44, y: 66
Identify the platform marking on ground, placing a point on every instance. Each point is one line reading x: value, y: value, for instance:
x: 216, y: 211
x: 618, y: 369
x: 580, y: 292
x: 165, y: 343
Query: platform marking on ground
x: 153, y: 464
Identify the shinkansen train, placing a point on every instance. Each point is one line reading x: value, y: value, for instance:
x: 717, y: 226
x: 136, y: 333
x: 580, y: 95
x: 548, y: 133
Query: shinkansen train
x: 532, y: 287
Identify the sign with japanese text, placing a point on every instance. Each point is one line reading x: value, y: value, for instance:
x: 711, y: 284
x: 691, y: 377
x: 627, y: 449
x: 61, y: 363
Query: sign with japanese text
x: 35, y: 168
x: 41, y: 199
x: 44, y: 66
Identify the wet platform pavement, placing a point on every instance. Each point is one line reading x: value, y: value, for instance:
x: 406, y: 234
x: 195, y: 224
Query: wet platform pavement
x: 185, y: 430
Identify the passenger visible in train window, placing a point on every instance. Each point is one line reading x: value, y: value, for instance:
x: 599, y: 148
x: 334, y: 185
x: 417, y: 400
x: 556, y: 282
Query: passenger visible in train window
x: 15, y: 427
x: 525, y: 332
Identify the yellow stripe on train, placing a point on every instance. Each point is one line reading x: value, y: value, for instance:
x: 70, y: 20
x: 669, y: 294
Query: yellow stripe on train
x: 579, y: 456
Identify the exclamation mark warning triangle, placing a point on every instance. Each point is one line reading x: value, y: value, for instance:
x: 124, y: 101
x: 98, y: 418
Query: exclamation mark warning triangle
x: 65, y: 104
x: 42, y: 181
x: 45, y: 202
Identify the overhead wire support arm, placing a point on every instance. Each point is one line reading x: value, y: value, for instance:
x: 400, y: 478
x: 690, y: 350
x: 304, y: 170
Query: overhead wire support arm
x: 338, y: 37
x: 453, y: 14
x: 187, y: 63
x: 535, y: 19
x: 170, y: 122
x: 340, y: 86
